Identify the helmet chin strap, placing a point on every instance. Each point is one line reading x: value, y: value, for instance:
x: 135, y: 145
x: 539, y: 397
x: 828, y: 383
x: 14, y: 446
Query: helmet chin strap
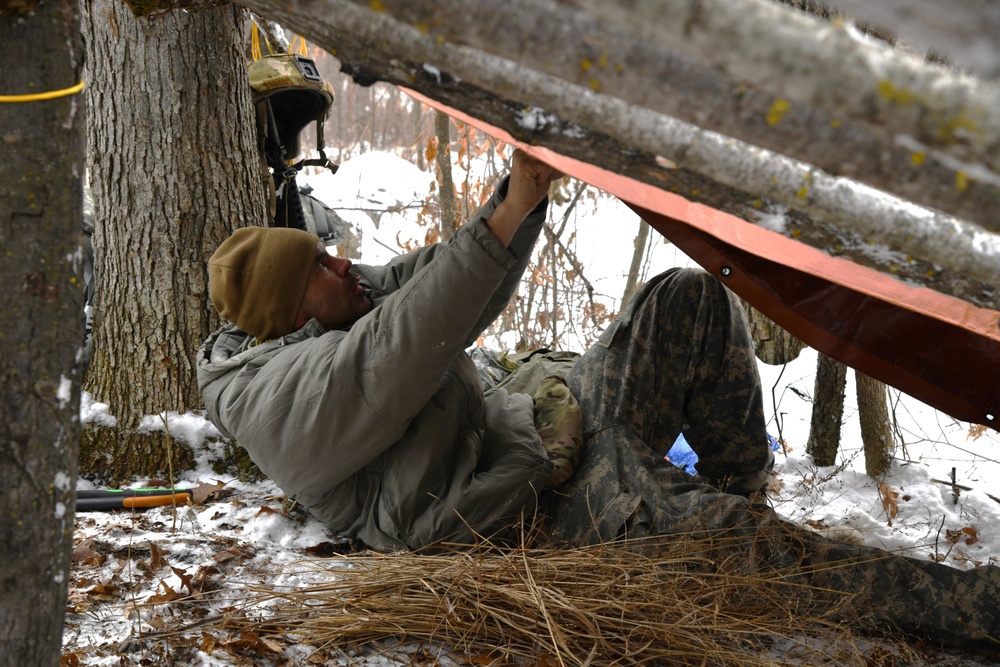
x: 286, y: 210
x: 323, y: 160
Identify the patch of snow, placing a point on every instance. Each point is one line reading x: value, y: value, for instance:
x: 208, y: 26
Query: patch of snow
x: 64, y: 391
x: 533, y: 118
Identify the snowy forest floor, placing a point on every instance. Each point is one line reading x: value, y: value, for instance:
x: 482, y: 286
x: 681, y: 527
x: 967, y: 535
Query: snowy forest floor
x: 149, y: 587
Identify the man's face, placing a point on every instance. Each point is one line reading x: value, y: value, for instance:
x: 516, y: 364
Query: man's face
x: 333, y: 295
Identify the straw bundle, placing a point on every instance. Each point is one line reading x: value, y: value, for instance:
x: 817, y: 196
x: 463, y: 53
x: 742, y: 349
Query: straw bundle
x: 629, y: 602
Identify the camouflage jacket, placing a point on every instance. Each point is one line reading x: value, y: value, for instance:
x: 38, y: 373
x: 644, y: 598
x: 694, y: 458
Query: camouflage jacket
x: 382, y: 430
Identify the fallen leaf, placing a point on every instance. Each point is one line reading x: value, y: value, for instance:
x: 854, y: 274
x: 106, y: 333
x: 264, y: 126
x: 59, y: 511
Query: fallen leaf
x: 86, y: 554
x: 168, y: 594
x: 204, y: 492
x: 156, y: 557
x: 208, y: 643
x: 775, y: 485
x: 185, y: 578
x: 227, y: 555
x: 890, y: 500
x: 249, y: 641
x: 104, y: 589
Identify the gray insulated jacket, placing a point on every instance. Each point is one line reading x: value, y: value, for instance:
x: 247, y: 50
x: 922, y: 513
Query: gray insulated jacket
x: 382, y: 430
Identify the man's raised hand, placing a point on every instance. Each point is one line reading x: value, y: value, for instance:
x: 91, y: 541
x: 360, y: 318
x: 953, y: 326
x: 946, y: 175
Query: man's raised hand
x: 529, y: 183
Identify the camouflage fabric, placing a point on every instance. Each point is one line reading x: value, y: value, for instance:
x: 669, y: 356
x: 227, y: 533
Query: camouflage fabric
x: 559, y: 424
x: 680, y: 358
x: 281, y: 72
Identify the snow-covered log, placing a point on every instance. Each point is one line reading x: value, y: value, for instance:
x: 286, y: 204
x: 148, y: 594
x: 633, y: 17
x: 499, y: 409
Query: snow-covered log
x: 743, y: 105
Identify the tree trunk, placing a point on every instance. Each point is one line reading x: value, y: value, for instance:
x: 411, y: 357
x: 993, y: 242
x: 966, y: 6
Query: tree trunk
x: 41, y: 325
x: 772, y: 344
x: 827, y: 412
x: 876, y: 429
x: 172, y: 157
x: 446, y: 183
x: 632, y: 281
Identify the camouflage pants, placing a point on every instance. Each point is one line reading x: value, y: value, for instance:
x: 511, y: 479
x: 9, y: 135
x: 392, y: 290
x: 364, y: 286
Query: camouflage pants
x: 680, y: 359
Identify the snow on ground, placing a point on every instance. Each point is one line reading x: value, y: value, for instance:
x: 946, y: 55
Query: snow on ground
x: 237, y: 534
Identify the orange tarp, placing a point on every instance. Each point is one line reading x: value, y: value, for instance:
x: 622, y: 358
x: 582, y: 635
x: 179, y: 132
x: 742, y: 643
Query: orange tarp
x: 936, y: 348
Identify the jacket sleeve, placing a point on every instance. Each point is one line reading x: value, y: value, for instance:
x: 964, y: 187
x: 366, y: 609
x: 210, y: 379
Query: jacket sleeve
x: 322, y: 409
x: 392, y: 276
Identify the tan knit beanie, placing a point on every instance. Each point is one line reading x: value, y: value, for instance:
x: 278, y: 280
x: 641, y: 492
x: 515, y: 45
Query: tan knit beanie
x: 258, y: 276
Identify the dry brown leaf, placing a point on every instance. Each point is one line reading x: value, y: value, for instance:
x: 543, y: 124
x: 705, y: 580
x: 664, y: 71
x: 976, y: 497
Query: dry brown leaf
x: 168, y: 594
x: 227, y: 555
x: 208, y: 643
x: 775, y: 485
x: 890, y: 500
x: 484, y: 658
x: 204, y: 492
x: 967, y: 534
x: 105, y: 589
x: 156, y: 557
x: 316, y: 659
x: 185, y: 578
x: 976, y: 431
x: 250, y: 641
x: 86, y: 554
x: 156, y: 622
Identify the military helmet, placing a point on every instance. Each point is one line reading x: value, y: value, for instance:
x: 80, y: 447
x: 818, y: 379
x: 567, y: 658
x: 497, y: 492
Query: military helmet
x: 296, y: 94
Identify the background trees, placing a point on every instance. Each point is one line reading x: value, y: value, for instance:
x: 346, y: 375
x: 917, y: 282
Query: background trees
x: 41, y: 324
x: 173, y: 168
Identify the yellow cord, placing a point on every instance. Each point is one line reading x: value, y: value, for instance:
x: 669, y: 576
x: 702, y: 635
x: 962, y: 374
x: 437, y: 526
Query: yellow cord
x: 255, y: 43
x: 302, y: 47
x: 51, y: 95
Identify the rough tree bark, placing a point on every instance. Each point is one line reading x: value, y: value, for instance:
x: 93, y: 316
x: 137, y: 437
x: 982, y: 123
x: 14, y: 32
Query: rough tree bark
x: 172, y: 157
x: 446, y: 183
x: 876, y: 429
x: 632, y: 280
x: 827, y: 412
x: 732, y: 128
x: 41, y: 323
x: 772, y: 344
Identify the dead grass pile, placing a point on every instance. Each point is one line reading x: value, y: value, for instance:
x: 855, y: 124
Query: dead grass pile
x: 629, y: 602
